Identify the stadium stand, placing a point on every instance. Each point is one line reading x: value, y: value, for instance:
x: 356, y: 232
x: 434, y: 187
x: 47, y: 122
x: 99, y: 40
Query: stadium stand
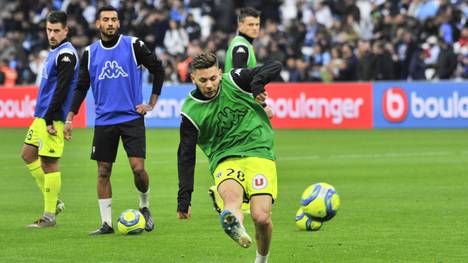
x: 316, y: 40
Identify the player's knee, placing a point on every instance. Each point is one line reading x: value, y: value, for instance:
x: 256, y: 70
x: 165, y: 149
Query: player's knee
x: 104, y: 173
x: 28, y: 157
x: 261, y: 218
x: 138, y: 170
x: 49, y: 164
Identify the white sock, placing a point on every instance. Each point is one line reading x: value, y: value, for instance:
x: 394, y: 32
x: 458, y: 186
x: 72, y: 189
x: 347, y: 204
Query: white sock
x: 144, y: 199
x: 105, y: 206
x: 261, y: 259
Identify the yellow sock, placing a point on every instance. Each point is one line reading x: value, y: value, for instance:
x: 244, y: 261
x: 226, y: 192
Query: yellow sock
x: 36, y: 171
x: 52, y: 184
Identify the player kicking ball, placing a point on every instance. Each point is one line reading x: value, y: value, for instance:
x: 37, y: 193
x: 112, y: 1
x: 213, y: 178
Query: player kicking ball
x: 224, y: 116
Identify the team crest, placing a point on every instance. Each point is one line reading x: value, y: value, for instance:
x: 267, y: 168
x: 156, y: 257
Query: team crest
x: 218, y: 175
x: 259, y: 182
x: 112, y: 70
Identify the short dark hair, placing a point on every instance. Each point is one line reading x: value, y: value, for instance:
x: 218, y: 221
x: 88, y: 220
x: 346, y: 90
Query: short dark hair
x: 248, y: 11
x: 106, y: 8
x: 57, y: 17
x: 204, y: 60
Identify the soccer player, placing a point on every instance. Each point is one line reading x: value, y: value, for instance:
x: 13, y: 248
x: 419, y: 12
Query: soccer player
x: 241, y: 54
x: 112, y: 66
x: 44, y: 141
x: 225, y: 117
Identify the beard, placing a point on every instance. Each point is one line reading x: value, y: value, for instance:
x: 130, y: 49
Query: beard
x: 109, y: 35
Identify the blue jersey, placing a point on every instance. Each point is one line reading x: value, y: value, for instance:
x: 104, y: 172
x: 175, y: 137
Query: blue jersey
x: 49, y: 81
x: 115, y: 80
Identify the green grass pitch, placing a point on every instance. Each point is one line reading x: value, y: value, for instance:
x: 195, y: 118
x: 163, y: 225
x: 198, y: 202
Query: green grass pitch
x: 404, y: 198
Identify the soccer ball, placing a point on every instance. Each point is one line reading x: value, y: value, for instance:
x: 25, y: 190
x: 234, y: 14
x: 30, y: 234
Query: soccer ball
x: 320, y: 201
x: 305, y: 222
x: 131, y: 222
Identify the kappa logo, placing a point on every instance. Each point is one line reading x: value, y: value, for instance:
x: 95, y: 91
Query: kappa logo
x: 228, y: 118
x: 241, y: 50
x: 66, y: 59
x: 112, y: 70
x: 259, y: 182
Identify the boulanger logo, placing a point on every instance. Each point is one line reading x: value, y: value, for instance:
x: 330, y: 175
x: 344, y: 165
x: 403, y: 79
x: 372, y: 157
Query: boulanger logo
x: 112, y: 70
x: 395, y: 105
x: 17, y: 108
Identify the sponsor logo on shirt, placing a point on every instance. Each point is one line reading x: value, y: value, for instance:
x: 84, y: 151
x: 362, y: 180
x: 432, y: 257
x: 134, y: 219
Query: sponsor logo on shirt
x: 112, y: 70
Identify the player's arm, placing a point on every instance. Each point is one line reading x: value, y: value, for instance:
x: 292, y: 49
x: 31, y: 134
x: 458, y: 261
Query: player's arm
x: 66, y: 63
x: 240, y: 56
x: 254, y: 80
x: 186, y: 156
x: 79, y: 95
x: 150, y: 61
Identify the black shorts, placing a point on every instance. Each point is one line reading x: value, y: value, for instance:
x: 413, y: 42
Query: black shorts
x: 106, y: 140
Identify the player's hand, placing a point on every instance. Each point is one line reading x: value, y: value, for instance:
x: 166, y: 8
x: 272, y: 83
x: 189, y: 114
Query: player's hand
x: 143, y: 108
x: 51, y: 130
x: 182, y: 215
x: 67, y: 131
x: 269, y: 111
x: 261, y: 97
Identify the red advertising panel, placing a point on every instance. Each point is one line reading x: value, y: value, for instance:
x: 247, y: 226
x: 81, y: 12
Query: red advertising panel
x: 17, y: 106
x: 321, y: 106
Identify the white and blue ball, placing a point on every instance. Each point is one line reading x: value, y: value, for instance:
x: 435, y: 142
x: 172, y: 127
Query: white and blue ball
x: 131, y: 222
x: 320, y: 201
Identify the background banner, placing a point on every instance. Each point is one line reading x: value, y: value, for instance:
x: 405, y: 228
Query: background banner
x: 321, y: 106
x: 17, y: 106
x: 421, y: 105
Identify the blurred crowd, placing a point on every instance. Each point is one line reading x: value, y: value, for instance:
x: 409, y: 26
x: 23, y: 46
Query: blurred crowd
x: 316, y: 40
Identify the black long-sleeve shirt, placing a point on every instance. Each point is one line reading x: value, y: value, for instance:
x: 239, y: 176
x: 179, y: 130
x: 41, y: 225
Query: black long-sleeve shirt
x: 66, y: 63
x: 240, y: 59
x: 143, y: 56
x: 250, y: 80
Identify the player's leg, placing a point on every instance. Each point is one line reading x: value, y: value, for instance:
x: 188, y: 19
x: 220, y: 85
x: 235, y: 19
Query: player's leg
x: 104, y: 151
x: 104, y: 190
x: 134, y: 141
x: 229, y: 180
x: 30, y: 156
x: 262, y: 190
x: 218, y: 204
x: 141, y: 180
x: 232, y: 195
x: 231, y: 217
x: 260, y: 206
x: 50, y: 150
